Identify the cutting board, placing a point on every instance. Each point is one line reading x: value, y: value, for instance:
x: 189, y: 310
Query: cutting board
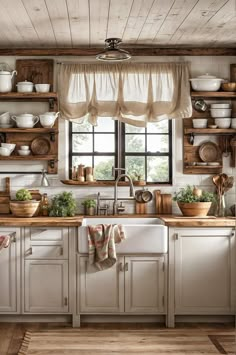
x: 5, y: 198
x: 157, y: 194
x: 140, y: 208
x: 166, y: 203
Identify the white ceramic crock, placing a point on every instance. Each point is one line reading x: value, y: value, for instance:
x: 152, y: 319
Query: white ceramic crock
x: 206, y: 83
x: 6, y: 80
x: 48, y: 119
x: 25, y: 86
x: 25, y: 120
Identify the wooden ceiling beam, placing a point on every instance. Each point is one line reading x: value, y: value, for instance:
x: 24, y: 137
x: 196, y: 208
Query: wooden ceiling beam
x: 133, y: 51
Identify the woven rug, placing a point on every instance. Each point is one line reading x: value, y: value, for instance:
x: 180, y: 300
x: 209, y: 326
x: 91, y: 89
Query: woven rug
x: 99, y: 342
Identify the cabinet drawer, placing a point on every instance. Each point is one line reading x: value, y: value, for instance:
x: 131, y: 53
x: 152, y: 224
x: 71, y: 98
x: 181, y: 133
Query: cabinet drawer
x: 47, y: 234
x: 46, y: 252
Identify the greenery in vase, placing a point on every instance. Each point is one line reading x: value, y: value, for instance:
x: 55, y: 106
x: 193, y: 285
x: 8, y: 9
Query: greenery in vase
x: 63, y: 205
x: 189, y: 194
x: 89, y: 203
x: 23, y: 195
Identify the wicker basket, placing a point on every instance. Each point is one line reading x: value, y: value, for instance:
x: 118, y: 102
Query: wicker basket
x: 25, y: 208
x: 194, y: 209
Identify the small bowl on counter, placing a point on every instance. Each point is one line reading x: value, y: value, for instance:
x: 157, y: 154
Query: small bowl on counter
x: 200, y: 123
x: 206, y: 83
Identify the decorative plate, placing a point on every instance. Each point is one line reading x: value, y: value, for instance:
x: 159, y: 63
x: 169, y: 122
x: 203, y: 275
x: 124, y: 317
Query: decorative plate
x: 209, y: 151
x: 40, y: 146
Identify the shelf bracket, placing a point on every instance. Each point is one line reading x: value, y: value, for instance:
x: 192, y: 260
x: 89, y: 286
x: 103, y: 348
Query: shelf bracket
x: 51, y: 104
x: 52, y: 164
x: 52, y: 136
x: 2, y: 137
x: 191, y: 139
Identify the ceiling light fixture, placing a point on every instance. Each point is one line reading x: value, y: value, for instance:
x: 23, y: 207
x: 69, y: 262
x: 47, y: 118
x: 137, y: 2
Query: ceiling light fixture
x: 112, y: 51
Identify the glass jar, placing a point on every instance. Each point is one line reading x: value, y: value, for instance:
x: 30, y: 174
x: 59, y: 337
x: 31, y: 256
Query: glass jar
x: 220, y: 206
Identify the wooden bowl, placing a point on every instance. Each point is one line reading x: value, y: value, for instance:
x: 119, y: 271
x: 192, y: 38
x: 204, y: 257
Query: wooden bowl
x: 228, y: 86
x: 24, y: 208
x: 194, y: 209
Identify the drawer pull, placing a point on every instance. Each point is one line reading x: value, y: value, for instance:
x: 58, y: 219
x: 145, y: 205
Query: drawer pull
x: 13, y: 237
x: 126, y: 266
x: 61, y: 251
x: 121, y: 267
x: 65, y: 301
x: 29, y: 252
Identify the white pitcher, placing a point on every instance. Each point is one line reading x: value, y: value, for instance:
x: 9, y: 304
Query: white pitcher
x: 6, y: 78
x: 48, y: 119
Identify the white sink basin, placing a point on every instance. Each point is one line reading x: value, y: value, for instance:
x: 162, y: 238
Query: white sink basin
x: 143, y: 235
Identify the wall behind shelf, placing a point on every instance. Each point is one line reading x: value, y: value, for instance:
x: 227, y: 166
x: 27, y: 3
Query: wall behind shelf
x: 219, y: 66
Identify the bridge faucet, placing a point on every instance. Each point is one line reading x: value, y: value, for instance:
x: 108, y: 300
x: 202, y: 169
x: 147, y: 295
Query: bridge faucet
x: 131, y: 191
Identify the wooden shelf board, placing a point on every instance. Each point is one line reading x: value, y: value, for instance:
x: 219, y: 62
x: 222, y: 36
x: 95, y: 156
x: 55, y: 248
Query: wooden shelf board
x: 28, y: 130
x: 29, y: 157
x: 217, y: 94
x: 27, y: 96
x: 209, y: 130
x: 203, y: 167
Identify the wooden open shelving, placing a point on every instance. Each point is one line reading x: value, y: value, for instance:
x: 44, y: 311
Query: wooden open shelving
x: 213, y: 94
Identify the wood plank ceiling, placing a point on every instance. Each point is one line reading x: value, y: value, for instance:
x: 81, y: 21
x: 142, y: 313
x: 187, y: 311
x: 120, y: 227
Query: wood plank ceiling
x: 140, y: 23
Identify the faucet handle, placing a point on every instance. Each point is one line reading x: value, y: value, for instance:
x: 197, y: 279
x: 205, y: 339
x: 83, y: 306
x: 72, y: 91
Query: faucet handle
x: 113, y: 170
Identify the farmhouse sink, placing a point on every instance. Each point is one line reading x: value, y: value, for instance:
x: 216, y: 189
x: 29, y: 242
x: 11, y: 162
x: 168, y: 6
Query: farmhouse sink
x: 143, y: 235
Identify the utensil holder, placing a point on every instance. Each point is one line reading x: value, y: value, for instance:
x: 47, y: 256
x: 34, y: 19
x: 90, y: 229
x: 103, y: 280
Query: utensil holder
x: 220, y: 206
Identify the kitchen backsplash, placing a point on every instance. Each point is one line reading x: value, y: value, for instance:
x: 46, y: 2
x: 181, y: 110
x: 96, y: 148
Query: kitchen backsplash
x: 218, y: 66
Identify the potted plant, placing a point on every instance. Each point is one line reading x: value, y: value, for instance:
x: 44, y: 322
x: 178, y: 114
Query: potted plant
x: 62, y: 205
x: 89, y: 207
x: 24, y: 206
x: 137, y: 178
x: 193, y: 201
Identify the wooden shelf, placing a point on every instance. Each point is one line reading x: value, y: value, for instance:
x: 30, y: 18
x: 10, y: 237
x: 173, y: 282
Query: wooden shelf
x: 209, y: 131
x: 28, y: 96
x: 30, y: 157
x: 214, y: 94
x: 203, y: 167
x: 28, y: 130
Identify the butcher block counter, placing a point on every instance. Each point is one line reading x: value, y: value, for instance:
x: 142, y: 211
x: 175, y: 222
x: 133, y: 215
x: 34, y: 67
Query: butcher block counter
x: 181, y: 221
x: 10, y: 221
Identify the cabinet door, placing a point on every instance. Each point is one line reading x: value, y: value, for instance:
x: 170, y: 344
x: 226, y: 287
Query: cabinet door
x: 46, y: 286
x: 100, y: 291
x: 204, y: 263
x: 9, y: 269
x: 144, y: 284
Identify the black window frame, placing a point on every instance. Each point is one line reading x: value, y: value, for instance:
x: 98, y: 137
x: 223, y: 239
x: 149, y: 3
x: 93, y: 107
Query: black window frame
x: 120, y: 153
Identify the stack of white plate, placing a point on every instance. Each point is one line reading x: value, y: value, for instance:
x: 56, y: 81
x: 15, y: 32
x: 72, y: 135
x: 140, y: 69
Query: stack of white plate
x: 222, y: 114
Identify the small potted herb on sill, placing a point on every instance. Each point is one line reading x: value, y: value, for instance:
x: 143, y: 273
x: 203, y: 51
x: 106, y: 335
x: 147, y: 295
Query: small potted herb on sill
x: 137, y: 178
x: 89, y: 207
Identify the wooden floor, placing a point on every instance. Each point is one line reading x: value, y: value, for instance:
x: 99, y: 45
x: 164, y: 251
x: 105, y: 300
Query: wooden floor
x: 222, y: 337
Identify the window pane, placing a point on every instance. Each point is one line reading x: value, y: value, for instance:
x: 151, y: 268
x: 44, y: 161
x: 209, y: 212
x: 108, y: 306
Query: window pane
x: 135, y: 143
x: 158, y: 169
x: 104, y: 143
x: 158, y: 127
x: 103, y: 167
x: 86, y: 161
x: 157, y: 143
x: 82, y: 127
x: 105, y: 124
x: 82, y: 143
x: 133, y: 129
x: 134, y: 164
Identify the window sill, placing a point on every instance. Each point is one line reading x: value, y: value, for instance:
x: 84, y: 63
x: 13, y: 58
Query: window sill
x: 109, y: 183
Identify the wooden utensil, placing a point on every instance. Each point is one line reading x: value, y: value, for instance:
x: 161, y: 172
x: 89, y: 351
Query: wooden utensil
x: 166, y: 203
x: 140, y: 208
x: 5, y: 198
x: 158, y: 201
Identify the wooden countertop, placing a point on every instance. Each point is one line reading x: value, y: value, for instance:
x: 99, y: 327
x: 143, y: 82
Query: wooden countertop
x: 10, y: 221
x: 181, y: 221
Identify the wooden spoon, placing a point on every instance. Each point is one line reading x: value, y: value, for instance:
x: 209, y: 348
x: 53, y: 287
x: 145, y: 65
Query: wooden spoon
x: 216, y: 182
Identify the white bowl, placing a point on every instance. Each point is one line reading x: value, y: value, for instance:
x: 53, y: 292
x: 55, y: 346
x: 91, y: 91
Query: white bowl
x: 220, y: 112
x: 223, y: 122
x: 5, y: 118
x: 220, y: 105
x: 24, y: 147
x: 200, y: 123
x: 10, y: 146
x: 25, y: 86
x: 233, y: 123
x: 206, y: 83
x: 5, y: 152
x: 24, y: 152
x: 42, y: 87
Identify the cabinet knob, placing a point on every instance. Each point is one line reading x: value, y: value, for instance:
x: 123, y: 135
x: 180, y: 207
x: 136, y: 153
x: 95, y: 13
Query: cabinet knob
x: 65, y: 301
x: 61, y: 251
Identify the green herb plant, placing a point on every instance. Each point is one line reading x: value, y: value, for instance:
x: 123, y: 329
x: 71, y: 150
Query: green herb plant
x: 62, y: 205
x: 186, y: 195
x: 23, y: 195
x: 89, y: 203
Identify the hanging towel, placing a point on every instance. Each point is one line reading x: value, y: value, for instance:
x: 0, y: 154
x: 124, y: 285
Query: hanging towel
x: 4, y: 241
x: 101, y: 241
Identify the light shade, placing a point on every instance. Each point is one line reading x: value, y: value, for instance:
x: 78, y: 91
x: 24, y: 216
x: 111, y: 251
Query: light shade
x: 112, y: 51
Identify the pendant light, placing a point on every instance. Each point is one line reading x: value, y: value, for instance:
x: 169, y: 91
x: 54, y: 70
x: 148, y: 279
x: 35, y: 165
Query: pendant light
x: 112, y: 51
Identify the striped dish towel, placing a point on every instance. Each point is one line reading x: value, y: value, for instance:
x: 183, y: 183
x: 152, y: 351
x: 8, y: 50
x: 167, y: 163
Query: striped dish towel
x: 4, y: 241
x: 101, y: 242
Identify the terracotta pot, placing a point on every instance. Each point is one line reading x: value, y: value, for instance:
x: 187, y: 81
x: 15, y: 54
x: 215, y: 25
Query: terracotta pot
x: 24, y: 208
x: 194, y: 209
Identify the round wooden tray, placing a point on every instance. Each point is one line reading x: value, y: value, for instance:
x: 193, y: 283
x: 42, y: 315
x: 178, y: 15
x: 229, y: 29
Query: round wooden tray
x: 40, y: 146
x: 209, y: 152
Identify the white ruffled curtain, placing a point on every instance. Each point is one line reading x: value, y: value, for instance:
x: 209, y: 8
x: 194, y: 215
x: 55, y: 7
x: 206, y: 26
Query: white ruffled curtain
x: 132, y: 93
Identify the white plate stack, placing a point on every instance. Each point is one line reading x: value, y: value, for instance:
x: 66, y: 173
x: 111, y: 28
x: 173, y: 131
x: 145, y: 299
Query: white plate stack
x: 222, y: 114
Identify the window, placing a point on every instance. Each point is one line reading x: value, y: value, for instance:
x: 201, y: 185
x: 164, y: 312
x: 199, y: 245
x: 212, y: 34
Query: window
x: 145, y: 152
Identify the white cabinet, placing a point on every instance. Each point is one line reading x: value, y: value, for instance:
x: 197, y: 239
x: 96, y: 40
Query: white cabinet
x: 132, y: 285
x: 9, y: 272
x: 204, y: 270
x: 46, y: 279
